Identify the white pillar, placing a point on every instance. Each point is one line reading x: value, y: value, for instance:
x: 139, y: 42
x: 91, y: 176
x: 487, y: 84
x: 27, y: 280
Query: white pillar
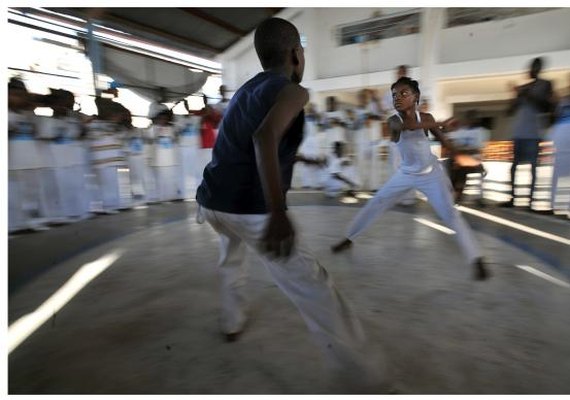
x: 432, y: 22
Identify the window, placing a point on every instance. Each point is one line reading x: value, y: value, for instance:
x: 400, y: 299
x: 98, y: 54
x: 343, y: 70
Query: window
x: 384, y: 27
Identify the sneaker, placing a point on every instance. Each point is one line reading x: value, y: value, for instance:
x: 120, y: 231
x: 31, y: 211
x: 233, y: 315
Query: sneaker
x: 480, y: 272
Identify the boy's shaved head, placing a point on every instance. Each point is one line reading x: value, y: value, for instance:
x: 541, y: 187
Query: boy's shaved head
x: 274, y: 38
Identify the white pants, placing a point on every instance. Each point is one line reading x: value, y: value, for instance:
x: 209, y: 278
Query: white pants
x: 204, y: 157
x: 51, y: 204
x: 437, y: 187
x: 560, y: 191
x: 300, y: 277
x: 108, y: 184
x: 363, y: 163
x: 151, y: 189
x: 72, y: 191
x: 409, y: 197
x: 310, y: 175
x: 334, y: 187
x: 190, y: 176
x: 166, y: 183
x: 137, y: 175
x: 24, y: 198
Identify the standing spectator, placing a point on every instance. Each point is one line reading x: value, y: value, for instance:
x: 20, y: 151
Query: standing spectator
x: 532, y: 101
x: 560, y: 136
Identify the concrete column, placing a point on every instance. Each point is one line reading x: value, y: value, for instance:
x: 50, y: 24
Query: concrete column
x: 432, y: 22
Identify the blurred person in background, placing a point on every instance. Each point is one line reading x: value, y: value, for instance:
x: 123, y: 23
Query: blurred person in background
x: 189, y: 142
x: 334, y: 121
x: 221, y: 106
x: 560, y: 136
x: 24, y: 165
x: 134, y: 148
x: 243, y: 198
x: 106, y: 153
x: 363, y: 141
x: 419, y: 169
x: 68, y: 155
x: 340, y: 173
x: 469, y: 139
x: 311, y: 174
x: 209, y: 121
x: 533, y: 101
x: 164, y: 160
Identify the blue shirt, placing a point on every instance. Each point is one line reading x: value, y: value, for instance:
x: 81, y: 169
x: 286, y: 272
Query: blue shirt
x: 231, y: 180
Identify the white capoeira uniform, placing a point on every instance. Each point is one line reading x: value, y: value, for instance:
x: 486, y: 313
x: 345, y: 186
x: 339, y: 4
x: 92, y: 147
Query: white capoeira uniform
x: 560, y: 190
x: 333, y: 131
x: 332, y: 186
x: 49, y: 130
x: 24, y: 173
x: 107, y: 157
x: 419, y: 169
x: 69, y: 169
x: 134, y: 148
x: 164, y: 162
x: 311, y: 175
x: 188, y: 148
x: 394, y: 154
x: 364, y: 148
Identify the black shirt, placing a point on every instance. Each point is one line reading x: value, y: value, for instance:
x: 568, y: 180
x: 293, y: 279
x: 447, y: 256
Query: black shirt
x: 231, y: 181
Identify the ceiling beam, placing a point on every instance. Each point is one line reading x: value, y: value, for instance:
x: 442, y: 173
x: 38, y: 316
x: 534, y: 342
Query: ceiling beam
x: 149, y: 29
x: 214, y: 20
x: 127, y: 23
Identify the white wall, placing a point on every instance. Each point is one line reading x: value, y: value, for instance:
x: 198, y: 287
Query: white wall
x: 537, y: 33
x: 480, y: 50
x: 334, y: 60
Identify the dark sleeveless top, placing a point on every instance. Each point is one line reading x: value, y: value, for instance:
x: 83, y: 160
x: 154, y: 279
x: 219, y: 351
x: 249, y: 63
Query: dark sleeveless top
x: 231, y: 180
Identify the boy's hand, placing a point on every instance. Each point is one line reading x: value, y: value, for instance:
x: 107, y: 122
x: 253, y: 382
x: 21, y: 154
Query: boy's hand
x: 279, y: 237
x: 450, y: 124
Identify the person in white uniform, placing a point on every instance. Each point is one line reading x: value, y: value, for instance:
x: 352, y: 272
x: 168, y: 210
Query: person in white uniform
x: 340, y: 173
x: 133, y: 145
x: 68, y: 156
x: 107, y: 154
x: 394, y: 155
x: 363, y: 141
x: 310, y: 174
x: 419, y: 169
x: 164, y: 160
x: 188, y: 128
x: 49, y: 131
x: 334, y: 121
x: 24, y: 165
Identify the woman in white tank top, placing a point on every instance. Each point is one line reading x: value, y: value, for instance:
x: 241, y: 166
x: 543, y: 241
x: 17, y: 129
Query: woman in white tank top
x: 419, y: 169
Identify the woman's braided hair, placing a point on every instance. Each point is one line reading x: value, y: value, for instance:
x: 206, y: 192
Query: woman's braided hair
x: 413, y: 84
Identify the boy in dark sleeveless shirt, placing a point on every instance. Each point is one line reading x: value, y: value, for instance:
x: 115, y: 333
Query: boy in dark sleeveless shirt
x: 243, y: 193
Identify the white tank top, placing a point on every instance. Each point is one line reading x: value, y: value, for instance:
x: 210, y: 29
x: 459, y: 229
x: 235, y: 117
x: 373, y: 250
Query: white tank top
x: 415, y: 151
